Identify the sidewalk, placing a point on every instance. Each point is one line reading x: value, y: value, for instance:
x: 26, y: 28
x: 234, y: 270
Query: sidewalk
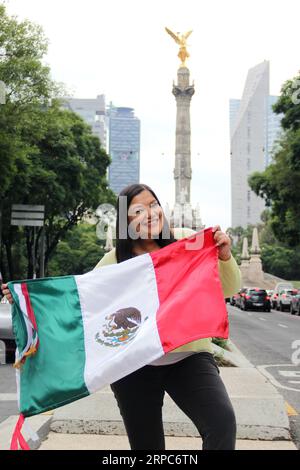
x: 95, y: 422
x: 95, y: 442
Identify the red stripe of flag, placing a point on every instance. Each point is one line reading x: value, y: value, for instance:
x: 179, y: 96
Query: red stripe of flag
x: 29, y: 308
x: 192, y: 304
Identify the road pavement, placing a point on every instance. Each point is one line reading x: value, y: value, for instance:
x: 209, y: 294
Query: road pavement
x: 271, y: 341
x: 8, y: 396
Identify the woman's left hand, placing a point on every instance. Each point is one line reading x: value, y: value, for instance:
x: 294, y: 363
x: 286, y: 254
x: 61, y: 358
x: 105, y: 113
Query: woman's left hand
x: 223, y: 242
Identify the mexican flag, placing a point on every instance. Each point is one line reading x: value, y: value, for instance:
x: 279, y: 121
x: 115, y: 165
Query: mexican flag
x: 77, y: 334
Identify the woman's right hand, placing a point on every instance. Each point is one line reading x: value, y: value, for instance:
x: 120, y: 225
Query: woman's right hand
x: 7, y: 293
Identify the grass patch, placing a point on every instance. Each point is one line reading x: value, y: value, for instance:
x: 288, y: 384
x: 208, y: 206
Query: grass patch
x: 296, y: 284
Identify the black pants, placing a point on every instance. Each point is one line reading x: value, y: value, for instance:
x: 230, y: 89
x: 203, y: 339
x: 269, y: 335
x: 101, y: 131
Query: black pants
x: 195, y: 386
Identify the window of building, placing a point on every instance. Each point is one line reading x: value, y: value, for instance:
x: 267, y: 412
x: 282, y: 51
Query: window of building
x: 248, y: 195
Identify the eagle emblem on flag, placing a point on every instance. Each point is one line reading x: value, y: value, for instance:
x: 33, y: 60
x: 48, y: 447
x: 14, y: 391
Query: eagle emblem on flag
x: 120, y: 327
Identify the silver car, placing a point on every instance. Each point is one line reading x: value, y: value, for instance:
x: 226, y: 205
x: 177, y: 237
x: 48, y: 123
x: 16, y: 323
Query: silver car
x: 278, y: 288
x: 285, y: 299
x: 5, y: 320
x: 6, y: 331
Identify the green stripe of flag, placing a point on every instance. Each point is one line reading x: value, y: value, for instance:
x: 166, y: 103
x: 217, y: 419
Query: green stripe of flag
x: 55, y: 374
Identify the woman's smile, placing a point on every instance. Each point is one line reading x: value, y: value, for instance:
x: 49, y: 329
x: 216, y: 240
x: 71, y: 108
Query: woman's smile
x: 153, y: 222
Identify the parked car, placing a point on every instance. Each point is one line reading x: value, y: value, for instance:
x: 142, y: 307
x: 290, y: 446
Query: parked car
x: 6, y: 332
x: 279, y: 287
x: 239, y: 296
x: 233, y: 299
x: 285, y: 298
x: 254, y: 297
x: 295, y: 303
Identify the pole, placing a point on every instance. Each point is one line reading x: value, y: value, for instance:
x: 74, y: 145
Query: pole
x: 1, y: 207
x: 42, y: 253
x: 33, y: 255
x: 0, y: 234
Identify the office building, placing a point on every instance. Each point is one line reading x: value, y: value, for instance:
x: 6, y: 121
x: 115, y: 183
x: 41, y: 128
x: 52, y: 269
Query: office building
x: 124, y: 147
x: 254, y: 128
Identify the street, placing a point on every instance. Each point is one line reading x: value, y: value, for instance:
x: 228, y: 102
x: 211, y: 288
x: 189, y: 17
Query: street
x: 8, y: 397
x: 271, y: 341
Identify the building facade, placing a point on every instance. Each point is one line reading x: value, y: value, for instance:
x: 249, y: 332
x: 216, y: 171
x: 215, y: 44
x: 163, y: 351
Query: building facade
x: 124, y: 148
x: 119, y: 132
x: 273, y: 129
x: 254, y: 128
x: 93, y: 112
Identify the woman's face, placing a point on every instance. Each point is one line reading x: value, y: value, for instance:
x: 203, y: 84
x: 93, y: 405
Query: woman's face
x: 145, y: 215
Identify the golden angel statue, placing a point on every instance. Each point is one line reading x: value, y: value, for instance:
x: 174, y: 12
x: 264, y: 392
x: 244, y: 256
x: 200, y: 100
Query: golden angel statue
x: 181, y: 40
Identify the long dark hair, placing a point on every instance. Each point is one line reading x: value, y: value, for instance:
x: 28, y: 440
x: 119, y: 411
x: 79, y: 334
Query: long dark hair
x: 124, y: 245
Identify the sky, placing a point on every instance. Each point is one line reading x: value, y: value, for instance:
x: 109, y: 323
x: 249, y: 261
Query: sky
x: 120, y: 48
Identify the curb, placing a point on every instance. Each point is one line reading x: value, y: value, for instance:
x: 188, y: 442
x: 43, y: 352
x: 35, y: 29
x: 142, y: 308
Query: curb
x: 260, y: 416
x: 40, y: 424
x: 234, y: 356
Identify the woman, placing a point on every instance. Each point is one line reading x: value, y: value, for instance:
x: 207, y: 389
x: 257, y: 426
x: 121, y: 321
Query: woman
x: 189, y: 374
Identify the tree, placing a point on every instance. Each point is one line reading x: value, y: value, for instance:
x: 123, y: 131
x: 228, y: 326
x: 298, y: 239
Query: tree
x: 27, y: 83
x: 65, y: 170
x: 48, y: 155
x: 78, y: 252
x: 277, y: 258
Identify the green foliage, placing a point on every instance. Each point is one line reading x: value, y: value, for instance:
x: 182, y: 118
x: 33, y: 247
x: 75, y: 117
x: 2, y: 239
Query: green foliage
x: 277, y: 258
x: 281, y: 261
x: 27, y: 82
x: 78, y: 252
x: 288, y: 104
x: 48, y: 155
x: 64, y: 169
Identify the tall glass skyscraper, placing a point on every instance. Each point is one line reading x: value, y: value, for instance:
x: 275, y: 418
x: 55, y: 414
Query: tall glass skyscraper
x: 254, y: 128
x: 124, y: 148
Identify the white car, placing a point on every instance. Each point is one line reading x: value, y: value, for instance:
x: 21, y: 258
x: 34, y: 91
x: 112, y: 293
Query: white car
x: 278, y: 288
x: 5, y: 320
x: 285, y: 299
x: 6, y: 331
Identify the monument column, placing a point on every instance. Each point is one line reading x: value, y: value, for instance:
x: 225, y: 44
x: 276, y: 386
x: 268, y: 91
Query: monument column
x: 183, y: 215
x: 183, y: 93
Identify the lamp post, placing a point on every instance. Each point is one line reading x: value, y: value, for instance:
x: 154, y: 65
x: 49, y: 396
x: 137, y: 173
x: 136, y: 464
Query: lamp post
x: 0, y: 234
